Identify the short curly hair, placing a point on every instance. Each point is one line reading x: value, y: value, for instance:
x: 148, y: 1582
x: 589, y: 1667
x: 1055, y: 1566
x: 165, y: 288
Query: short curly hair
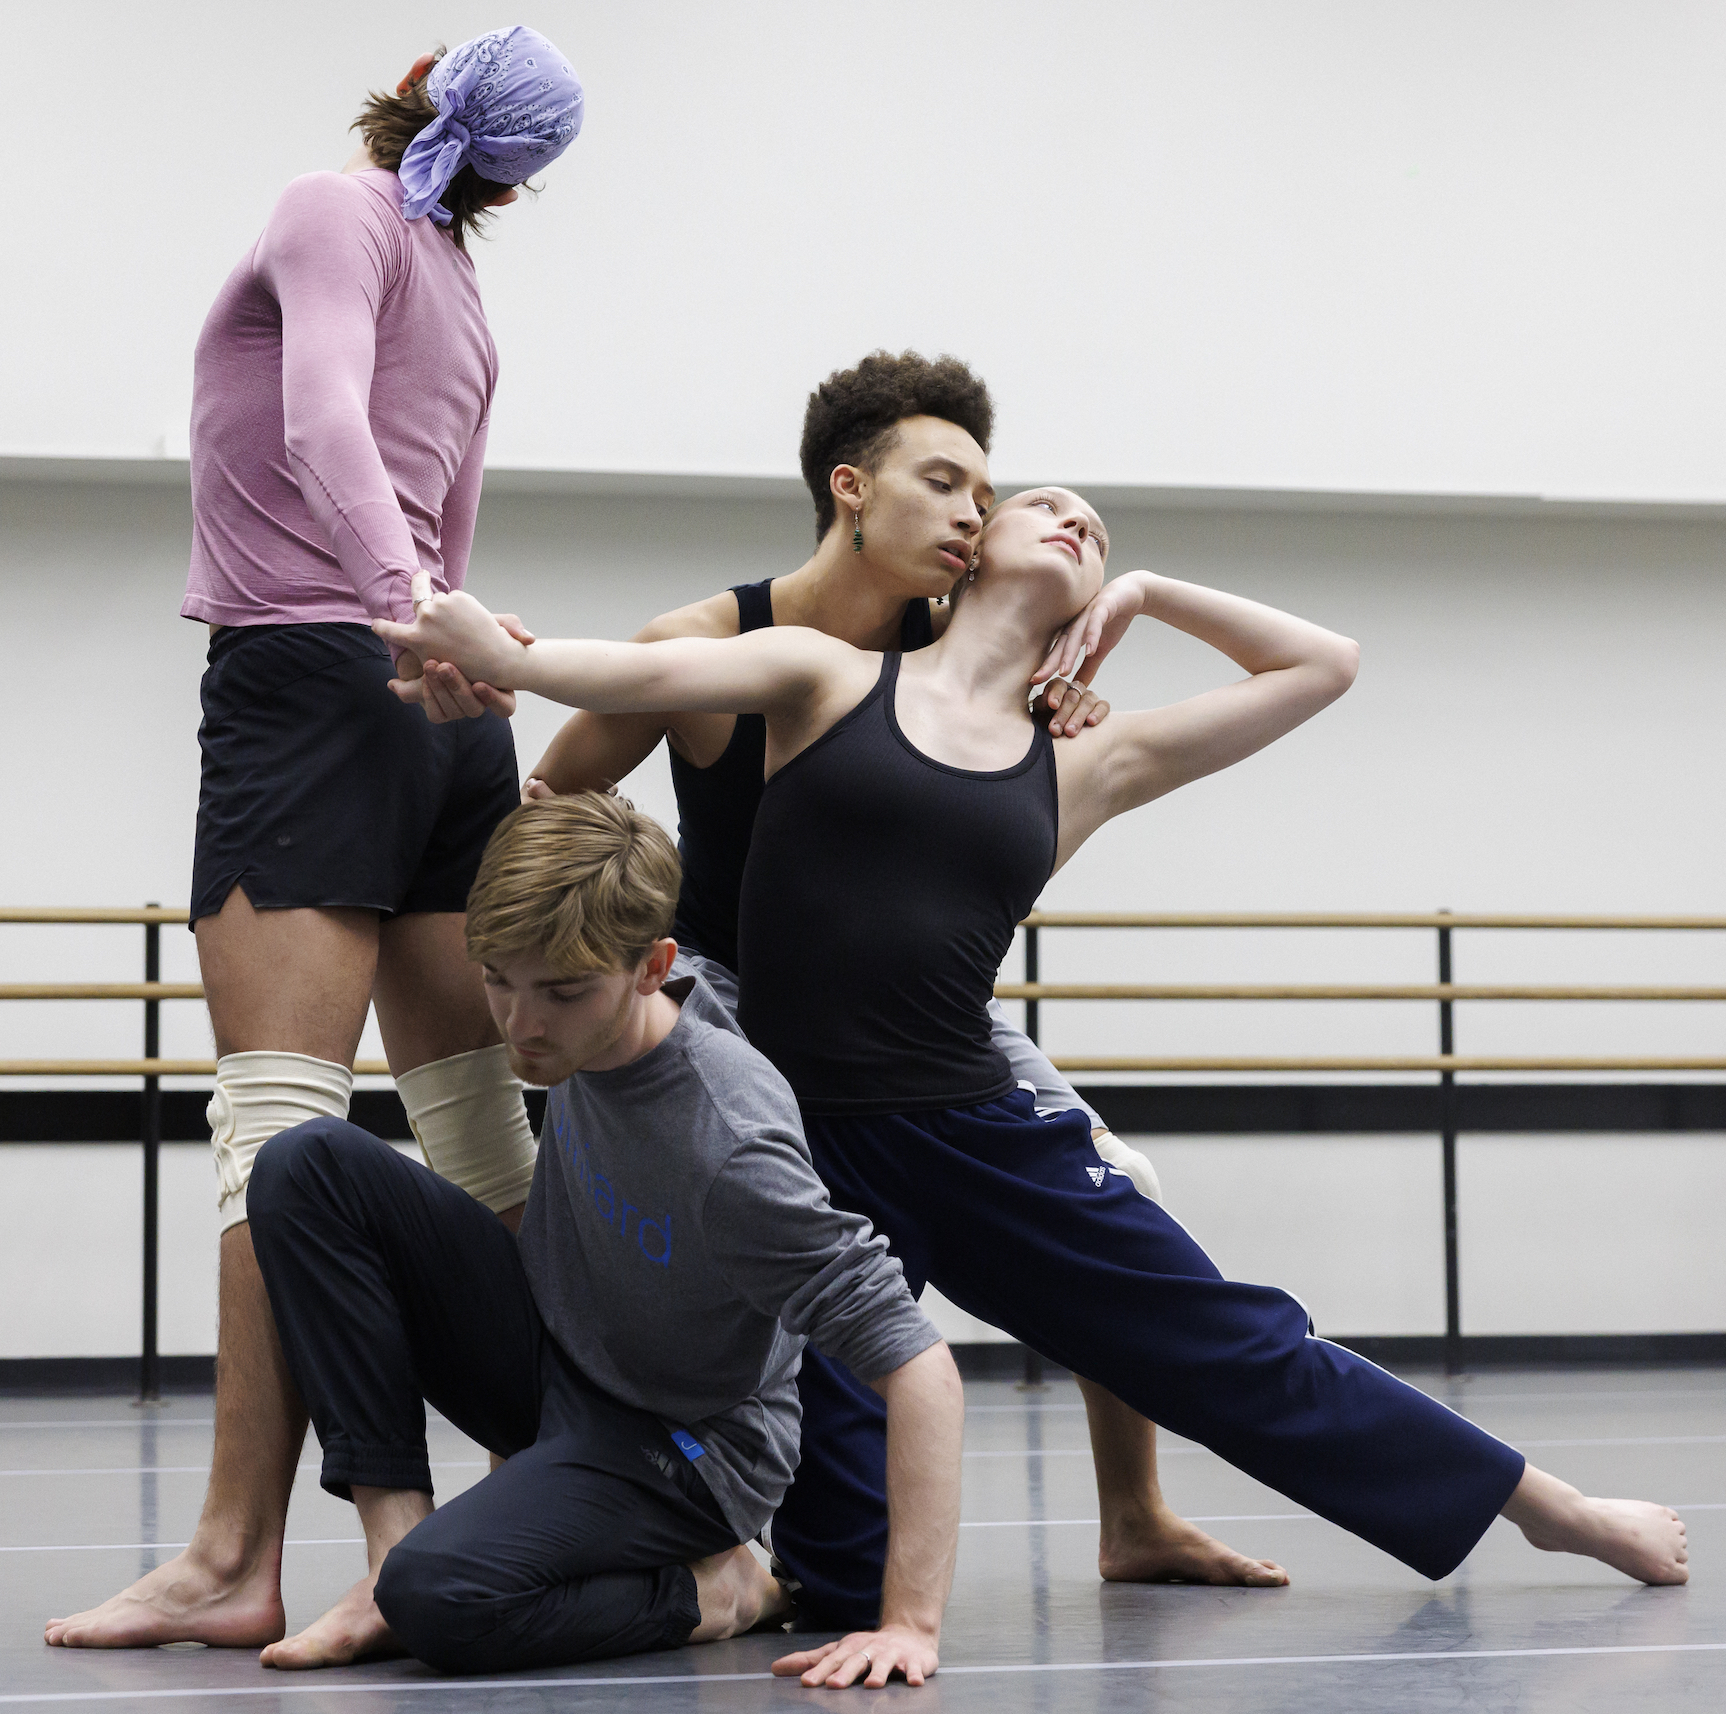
x: 852, y: 415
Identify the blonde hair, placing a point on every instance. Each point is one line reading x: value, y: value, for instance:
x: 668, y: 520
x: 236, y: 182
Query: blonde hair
x: 587, y: 880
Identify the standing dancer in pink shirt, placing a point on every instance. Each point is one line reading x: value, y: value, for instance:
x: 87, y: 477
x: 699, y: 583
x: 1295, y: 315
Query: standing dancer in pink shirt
x: 342, y: 385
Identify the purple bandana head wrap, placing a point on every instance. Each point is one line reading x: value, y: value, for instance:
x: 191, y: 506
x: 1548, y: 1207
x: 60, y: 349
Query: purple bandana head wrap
x: 508, y: 104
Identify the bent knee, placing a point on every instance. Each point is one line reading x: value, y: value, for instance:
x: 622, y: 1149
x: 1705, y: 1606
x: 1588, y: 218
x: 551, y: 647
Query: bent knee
x: 418, y: 1594
x: 297, y: 1158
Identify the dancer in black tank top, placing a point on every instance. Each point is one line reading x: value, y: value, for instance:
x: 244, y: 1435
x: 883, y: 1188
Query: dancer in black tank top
x: 883, y: 1032
x: 716, y: 804
x: 1004, y: 1211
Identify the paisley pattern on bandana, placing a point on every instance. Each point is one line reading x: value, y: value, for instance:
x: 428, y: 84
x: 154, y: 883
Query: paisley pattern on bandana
x: 508, y: 104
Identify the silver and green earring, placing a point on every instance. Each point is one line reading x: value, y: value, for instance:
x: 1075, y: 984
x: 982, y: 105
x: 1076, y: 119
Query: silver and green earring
x: 857, y: 531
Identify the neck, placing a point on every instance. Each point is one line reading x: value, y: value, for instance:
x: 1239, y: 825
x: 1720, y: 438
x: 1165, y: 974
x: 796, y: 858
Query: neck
x: 651, y: 1019
x: 996, y: 639
x: 852, y: 596
x: 359, y: 161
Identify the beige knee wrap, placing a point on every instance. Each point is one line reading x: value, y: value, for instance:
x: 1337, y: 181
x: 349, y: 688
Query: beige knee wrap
x: 1116, y: 1154
x: 468, y: 1115
x: 258, y: 1095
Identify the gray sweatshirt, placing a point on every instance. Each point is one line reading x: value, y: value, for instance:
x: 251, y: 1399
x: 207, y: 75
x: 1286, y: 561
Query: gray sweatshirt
x: 682, y: 1249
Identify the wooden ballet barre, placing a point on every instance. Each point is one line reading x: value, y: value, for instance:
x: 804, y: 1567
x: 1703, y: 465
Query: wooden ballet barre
x: 143, y: 1068
x: 70, y: 913
x: 1356, y: 919
x: 1398, y: 1062
x: 101, y: 990
x: 1340, y: 991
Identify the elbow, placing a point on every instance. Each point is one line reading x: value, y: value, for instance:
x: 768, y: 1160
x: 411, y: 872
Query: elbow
x: 932, y: 1375
x: 945, y: 1372
x: 320, y: 431
x: 940, y: 1375
x: 306, y: 441
x: 1342, y: 663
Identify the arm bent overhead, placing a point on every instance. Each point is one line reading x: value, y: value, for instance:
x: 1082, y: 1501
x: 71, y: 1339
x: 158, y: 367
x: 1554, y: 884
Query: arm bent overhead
x: 1297, y: 669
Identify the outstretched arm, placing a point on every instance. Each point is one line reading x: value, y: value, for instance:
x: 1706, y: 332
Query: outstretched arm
x: 594, y: 752
x: 801, y: 680
x: 1297, y: 668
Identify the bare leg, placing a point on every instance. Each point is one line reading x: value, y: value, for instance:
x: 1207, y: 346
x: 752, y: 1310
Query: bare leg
x: 430, y: 999
x: 296, y: 982
x: 1143, y: 1541
x: 225, y: 1588
x: 354, y: 1629
x: 1643, y: 1540
x: 288, y: 981
x: 736, y: 1594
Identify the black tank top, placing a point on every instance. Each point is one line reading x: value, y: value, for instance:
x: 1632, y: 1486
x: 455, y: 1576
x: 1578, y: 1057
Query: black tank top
x: 716, y: 805
x: 882, y: 891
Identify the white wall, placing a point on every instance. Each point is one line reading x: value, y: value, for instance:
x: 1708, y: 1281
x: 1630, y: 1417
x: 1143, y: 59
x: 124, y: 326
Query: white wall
x: 1444, y: 246
x: 1537, y: 726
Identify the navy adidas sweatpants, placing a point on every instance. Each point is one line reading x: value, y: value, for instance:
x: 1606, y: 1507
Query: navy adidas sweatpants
x: 1002, y: 1212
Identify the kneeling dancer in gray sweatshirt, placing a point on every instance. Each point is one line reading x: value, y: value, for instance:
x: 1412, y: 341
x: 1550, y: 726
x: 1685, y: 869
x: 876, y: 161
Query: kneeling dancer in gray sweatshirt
x: 634, y: 1357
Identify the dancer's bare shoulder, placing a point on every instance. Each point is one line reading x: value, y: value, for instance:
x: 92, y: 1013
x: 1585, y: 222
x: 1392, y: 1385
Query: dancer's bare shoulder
x: 715, y: 616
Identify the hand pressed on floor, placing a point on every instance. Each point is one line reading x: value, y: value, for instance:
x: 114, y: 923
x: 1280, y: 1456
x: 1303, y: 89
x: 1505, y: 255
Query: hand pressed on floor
x: 868, y: 1658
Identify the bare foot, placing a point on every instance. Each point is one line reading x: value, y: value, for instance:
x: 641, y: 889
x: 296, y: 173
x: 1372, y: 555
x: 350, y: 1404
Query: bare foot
x: 1643, y: 1540
x: 351, y: 1630
x: 1165, y: 1548
x: 736, y: 1593
x: 184, y: 1601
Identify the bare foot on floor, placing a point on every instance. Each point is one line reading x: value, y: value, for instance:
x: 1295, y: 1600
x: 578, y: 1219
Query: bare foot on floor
x: 351, y: 1630
x: 737, y: 1594
x: 1643, y: 1540
x: 184, y: 1601
x: 1168, y: 1549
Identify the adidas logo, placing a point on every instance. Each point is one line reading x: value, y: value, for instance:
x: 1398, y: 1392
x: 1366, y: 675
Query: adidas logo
x: 1095, y: 1174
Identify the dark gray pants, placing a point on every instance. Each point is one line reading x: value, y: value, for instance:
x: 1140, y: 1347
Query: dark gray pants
x: 392, y: 1287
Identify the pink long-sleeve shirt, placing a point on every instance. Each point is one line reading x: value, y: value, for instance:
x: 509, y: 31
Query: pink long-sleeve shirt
x: 340, y: 395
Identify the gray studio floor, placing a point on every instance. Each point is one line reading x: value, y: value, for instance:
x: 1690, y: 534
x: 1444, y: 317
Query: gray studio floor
x: 85, y: 1482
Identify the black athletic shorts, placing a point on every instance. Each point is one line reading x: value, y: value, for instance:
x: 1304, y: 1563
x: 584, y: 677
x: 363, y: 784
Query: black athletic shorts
x: 319, y: 788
